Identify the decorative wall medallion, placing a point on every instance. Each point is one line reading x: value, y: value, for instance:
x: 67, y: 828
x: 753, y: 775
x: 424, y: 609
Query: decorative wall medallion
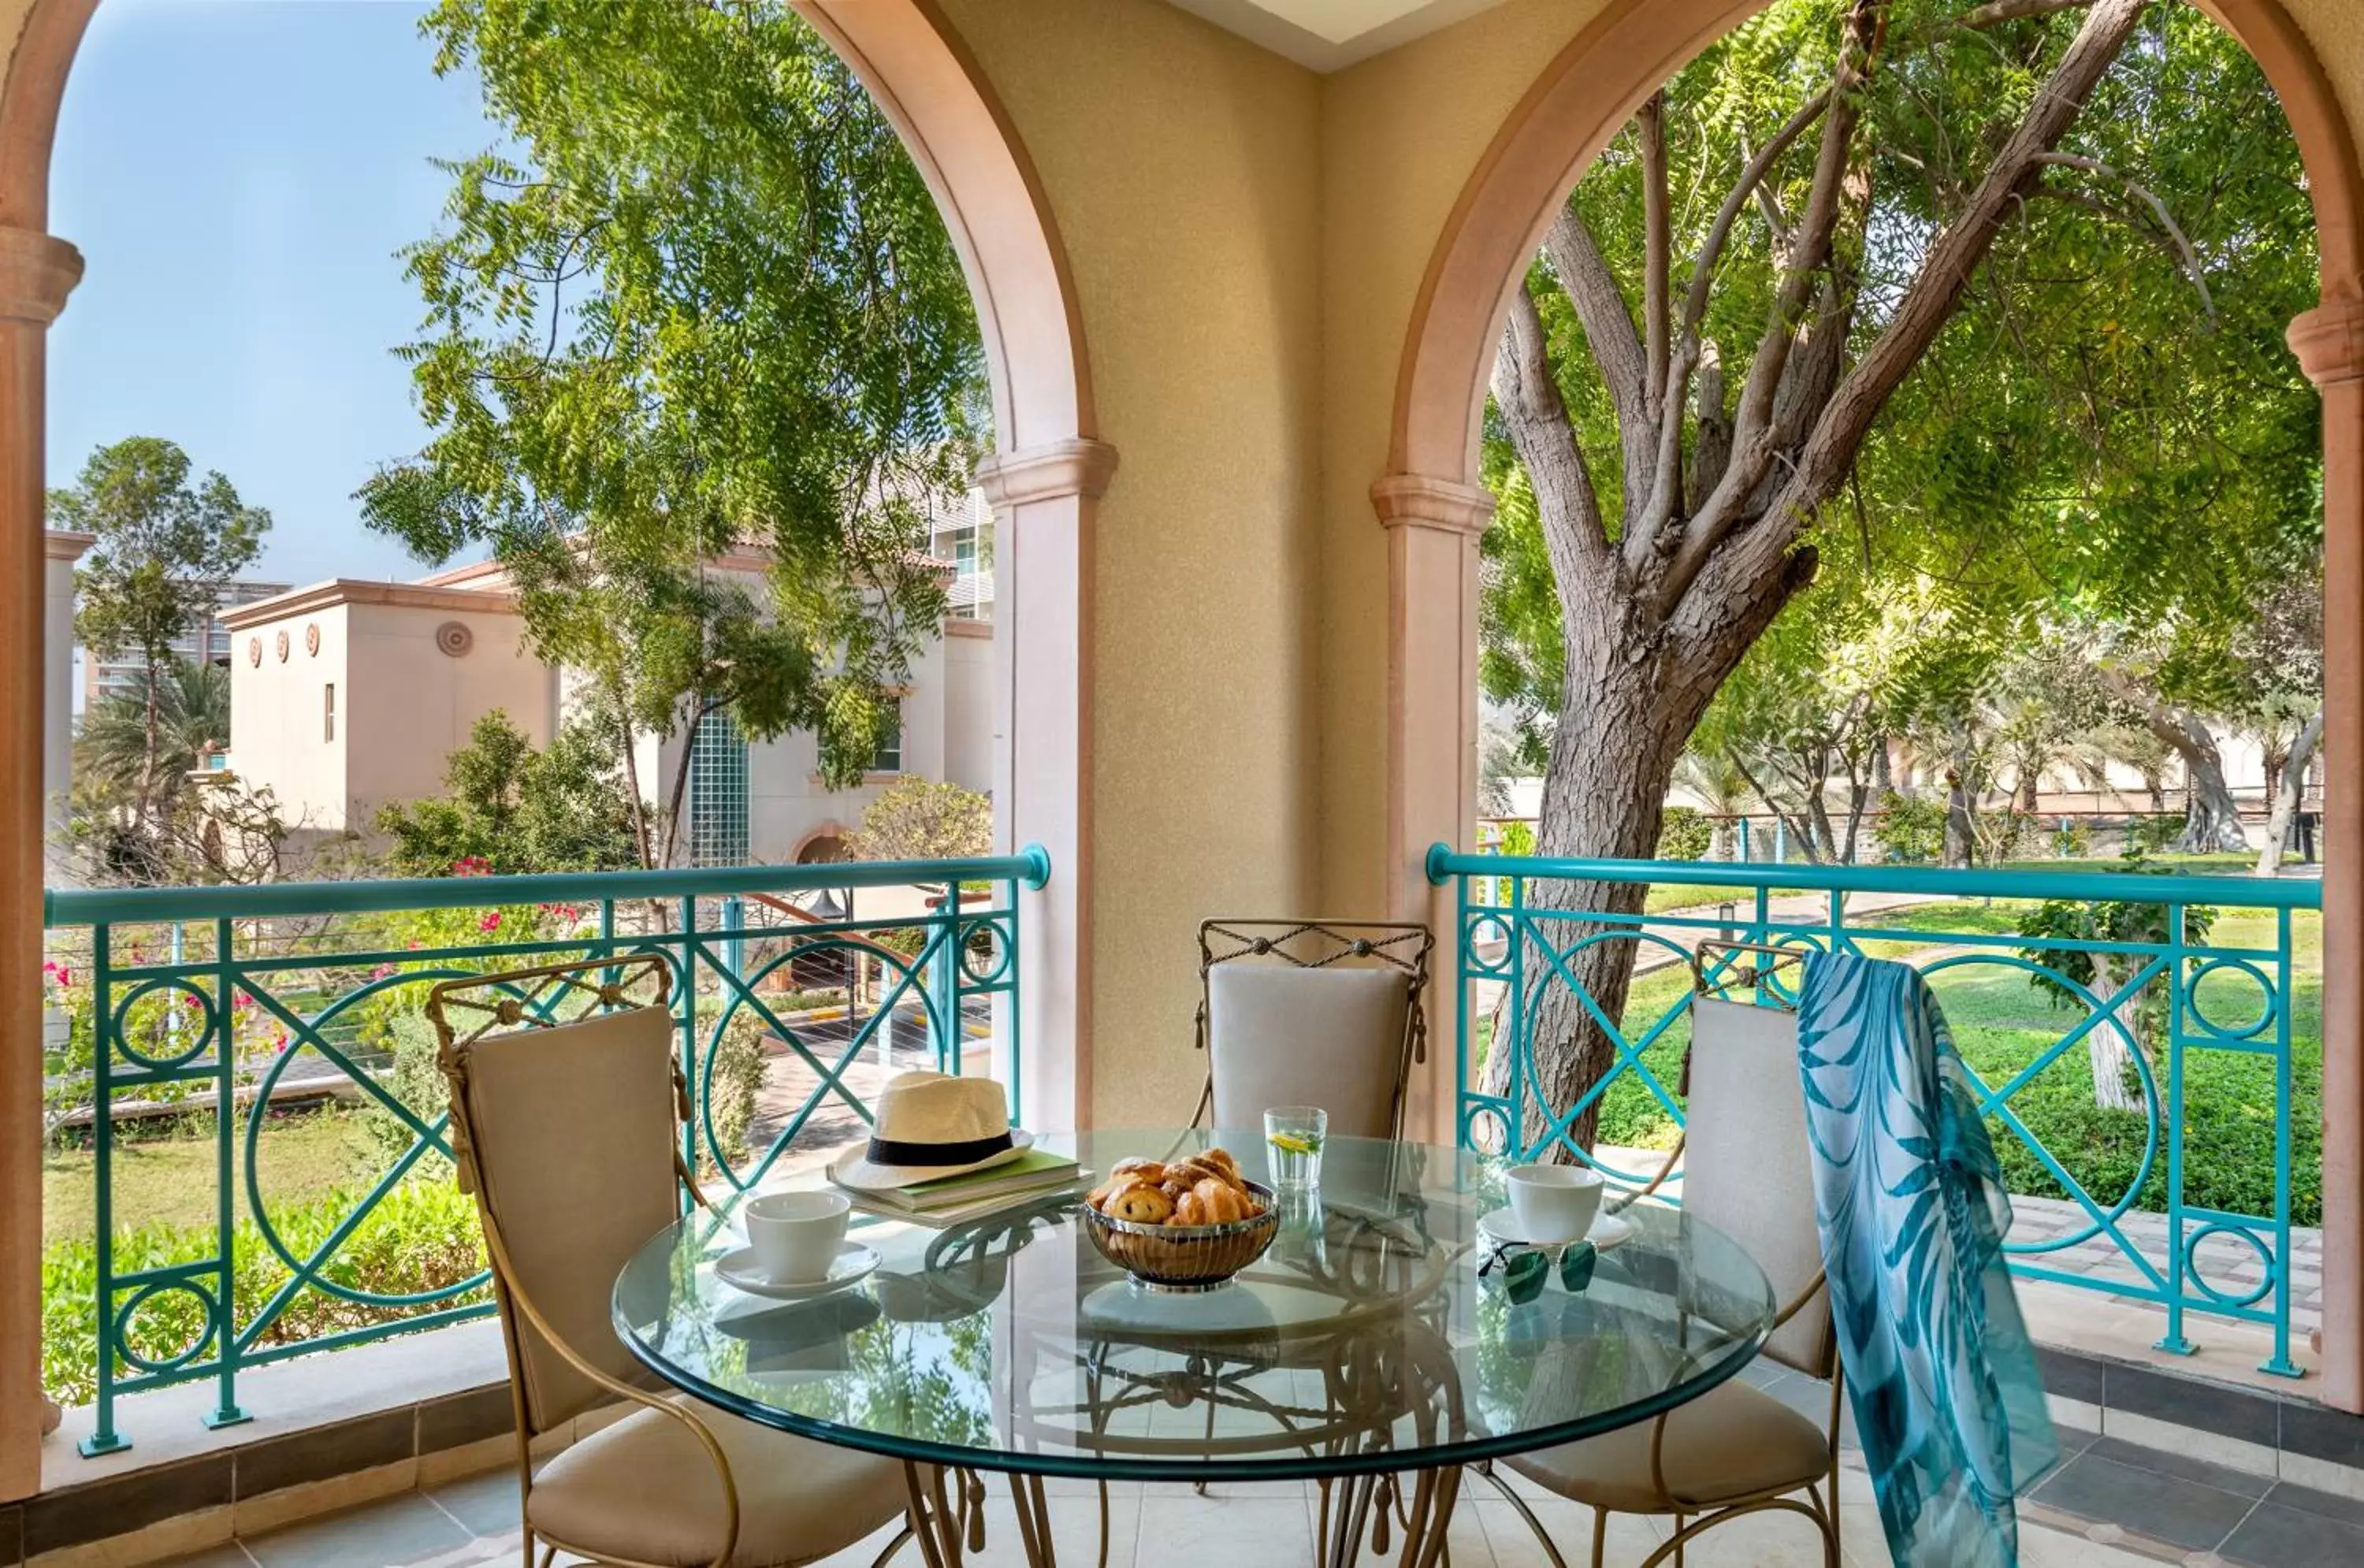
x: 283, y: 645
x: 453, y: 639
x: 312, y: 640
x: 254, y: 652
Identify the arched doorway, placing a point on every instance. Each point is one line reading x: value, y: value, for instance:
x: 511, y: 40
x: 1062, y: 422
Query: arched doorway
x: 1045, y: 478
x: 1434, y: 506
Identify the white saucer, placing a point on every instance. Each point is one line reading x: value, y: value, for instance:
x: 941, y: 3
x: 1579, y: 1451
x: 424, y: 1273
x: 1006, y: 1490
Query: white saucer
x: 854, y: 1264
x: 1609, y: 1230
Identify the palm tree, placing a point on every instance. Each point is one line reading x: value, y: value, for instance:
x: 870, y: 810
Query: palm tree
x: 192, y: 703
x: 1721, y: 787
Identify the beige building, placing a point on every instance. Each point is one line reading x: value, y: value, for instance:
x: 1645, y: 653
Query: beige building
x: 347, y: 696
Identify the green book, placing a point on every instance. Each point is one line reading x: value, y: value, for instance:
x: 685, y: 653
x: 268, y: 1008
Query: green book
x: 1035, y: 1168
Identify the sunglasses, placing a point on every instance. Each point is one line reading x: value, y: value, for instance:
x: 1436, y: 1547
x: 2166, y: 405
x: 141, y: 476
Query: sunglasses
x: 1518, y: 1270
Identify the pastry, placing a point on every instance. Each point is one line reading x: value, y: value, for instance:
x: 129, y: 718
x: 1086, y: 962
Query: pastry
x: 1149, y: 1171
x: 1225, y: 1166
x: 1138, y: 1203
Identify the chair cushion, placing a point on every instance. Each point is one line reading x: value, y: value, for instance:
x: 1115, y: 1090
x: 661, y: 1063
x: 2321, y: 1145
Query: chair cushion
x: 646, y: 1491
x: 1729, y: 1443
x: 1279, y: 1035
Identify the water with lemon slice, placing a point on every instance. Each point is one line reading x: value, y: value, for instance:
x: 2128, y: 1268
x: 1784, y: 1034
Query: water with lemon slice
x: 1294, y: 1142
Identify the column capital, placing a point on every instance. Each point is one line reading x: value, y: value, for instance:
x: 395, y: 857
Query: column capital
x: 36, y: 272
x: 1076, y: 466
x: 2329, y: 341
x: 1420, y: 501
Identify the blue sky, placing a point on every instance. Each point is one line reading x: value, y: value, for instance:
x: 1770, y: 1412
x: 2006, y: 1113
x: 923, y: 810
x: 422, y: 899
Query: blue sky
x: 237, y: 175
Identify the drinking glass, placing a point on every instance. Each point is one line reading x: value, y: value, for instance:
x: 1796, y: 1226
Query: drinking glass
x: 1293, y: 1134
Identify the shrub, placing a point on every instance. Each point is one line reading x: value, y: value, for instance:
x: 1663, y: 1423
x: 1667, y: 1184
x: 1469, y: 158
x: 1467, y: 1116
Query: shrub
x: 737, y: 1075
x: 1910, y: 830
x: 2152, y: 834
x: 2073, y: 840
x: 1686, y: 834
x: 422, y: 1237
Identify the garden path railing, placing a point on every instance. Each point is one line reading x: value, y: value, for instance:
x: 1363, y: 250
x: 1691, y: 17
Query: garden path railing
x: 218, y: 996
x: 2218, y: 996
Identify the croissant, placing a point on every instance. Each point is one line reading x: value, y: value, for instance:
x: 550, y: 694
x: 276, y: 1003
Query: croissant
x: 1139, y: 1204
x: 1198, y: 1169
x: 1213, y: 1202
x: 1224, y: 1165
x: 1149, y: 1171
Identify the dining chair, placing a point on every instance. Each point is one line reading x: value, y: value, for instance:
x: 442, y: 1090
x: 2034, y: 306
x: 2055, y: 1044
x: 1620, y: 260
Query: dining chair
x: 1325, y: 1013
x: 1736, y: 1450
x: 569, y: 1135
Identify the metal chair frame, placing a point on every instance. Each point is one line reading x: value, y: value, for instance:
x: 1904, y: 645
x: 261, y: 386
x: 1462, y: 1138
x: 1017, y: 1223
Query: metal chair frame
x: 525, y: 1004
x: 1821, y: 1504
x: 1402, y: 945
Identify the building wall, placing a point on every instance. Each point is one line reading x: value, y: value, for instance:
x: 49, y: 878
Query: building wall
x: 275, y: 739
x: 1183, y: 165
x: 973, y: 717
x: 410, y: 704
x: 403, y: 705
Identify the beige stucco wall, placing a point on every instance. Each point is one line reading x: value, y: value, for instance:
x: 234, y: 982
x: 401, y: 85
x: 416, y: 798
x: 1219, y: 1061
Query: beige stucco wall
x: 1183, y: 166
x: 402, y: 706
x: 971, y: 715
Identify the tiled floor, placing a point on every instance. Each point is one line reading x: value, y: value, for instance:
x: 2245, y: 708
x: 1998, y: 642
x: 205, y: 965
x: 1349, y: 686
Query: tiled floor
x: 2110, y: 1505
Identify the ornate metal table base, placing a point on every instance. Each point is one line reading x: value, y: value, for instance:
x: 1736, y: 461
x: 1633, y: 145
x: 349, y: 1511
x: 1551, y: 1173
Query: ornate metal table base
x: 1354, y: 1509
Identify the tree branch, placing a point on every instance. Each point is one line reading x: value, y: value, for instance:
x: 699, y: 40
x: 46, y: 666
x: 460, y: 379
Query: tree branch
x: 1929, y: 302
x: 1657, y: 244
x: 2185, y: 255
x: 1600, y: 306
x: 1996, y: 11
x: 1528, y: 399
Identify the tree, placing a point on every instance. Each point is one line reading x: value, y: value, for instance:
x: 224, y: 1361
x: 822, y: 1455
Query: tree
x: 163, y: 554
x: 163, y: 733
x: 508, y: 807
x: 698, y: 303
x: 924, y: 819
x: 1934, y: 314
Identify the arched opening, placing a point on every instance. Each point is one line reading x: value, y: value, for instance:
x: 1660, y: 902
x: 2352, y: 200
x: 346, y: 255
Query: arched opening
x: 1045, y: 478
x: 1435, y: 504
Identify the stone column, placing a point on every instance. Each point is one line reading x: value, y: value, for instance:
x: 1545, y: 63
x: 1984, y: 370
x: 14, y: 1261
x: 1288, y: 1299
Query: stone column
x: 36, y: 273
x: 1433, y: 527
x: 64, y: 547
x: 1042, y: 499
x: 2329, y: 342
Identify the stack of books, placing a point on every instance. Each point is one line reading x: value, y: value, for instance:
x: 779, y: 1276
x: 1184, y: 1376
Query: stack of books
x: 953, y: 1200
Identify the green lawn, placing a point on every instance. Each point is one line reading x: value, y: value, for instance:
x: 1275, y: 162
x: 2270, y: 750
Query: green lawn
x: 170, y: 1180
x: 2002, y: 1023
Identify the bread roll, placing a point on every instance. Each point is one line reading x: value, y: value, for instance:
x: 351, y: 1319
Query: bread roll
x: 1138, y: 1203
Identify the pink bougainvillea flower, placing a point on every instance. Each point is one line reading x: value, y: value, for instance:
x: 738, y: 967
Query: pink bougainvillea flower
x: 491, y: 922
x: 384, y: 971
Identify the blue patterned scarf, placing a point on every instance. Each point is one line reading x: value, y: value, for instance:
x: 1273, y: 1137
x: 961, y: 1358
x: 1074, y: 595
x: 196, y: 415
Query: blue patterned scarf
x: 1948, y: 1401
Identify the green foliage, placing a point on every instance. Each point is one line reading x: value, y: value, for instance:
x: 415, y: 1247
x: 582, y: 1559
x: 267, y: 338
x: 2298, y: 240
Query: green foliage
x: 192, y: 715
x: 922, y: 820
x: 697, y: 300
x: 1684, y: 834
x: 2073, y: 838
x: 2106, y: 974
x: 1910, y: 830
x: 164, y: 552
x: 512, y: 809
x: 2149, y: 835
x: 423, y: 1236
x: 737, y: 1077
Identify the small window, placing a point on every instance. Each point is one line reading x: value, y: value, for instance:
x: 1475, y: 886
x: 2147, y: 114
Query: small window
x: 329, y: 711
x: 888, y: 759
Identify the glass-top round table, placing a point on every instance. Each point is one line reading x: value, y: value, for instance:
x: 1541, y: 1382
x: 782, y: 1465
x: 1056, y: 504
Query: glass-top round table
x: 1366, y: 1342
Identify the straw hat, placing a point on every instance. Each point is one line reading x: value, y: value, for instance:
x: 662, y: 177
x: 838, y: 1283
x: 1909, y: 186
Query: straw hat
x: 931, y: 1124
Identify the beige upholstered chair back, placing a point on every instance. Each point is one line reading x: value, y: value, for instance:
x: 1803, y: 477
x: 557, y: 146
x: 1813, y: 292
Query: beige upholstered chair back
x: 1312, y: 1014
x: 572, y: 1131
x: 1747, y: 1167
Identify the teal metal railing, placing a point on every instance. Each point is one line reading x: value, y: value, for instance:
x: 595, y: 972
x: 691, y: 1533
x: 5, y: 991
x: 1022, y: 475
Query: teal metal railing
x: 214, y: 998
x: 1514, y: 946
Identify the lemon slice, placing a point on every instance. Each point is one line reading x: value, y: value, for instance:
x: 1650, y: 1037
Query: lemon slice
x: 1289, y: 1143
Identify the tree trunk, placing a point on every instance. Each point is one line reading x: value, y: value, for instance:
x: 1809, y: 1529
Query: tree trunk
x: 1613, y: 754
x: 1961, y: 819
x: 2105, y: 1043
x: 2294, y: 794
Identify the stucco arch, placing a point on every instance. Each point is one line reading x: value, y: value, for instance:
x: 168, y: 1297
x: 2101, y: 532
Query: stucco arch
x: 1578, y: 102
x: 1045, y: 479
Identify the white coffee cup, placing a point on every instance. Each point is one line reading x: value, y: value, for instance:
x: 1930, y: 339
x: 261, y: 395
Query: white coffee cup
x: 796, y: 1235
x: 1554, y: 1203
